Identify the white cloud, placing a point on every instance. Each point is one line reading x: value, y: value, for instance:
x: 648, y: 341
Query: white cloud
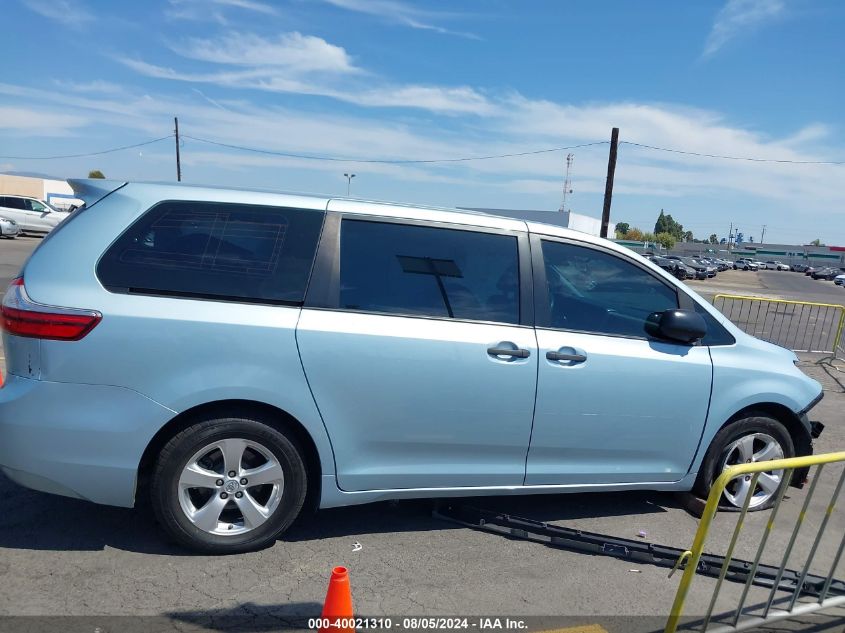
x: 294, y: 51
x: 516, y: 123
x: 67, y: 12
x: 29, y: 122
x: 400, y: 13
x: 214, y: 10
x: 308, y: 65
x: 738, y: 17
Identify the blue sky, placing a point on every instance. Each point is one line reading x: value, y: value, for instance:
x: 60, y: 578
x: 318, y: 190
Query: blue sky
x: 398, y: 79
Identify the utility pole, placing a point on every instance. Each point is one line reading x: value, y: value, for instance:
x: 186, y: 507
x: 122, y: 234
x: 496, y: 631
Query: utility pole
x: 730, y: 236
x: 349, y: 178
x: 178, y: 160
x: 608, y: 187
x: 567, y: 183
x: 763, y: 236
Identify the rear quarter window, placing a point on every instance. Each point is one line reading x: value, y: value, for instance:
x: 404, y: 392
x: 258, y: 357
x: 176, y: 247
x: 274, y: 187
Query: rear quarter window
x: 215, y: 250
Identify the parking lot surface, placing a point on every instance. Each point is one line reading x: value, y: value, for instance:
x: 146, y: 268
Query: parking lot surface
x: 64, y: 557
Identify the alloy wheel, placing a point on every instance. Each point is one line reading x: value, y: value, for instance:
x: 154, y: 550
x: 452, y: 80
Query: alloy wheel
x: 231, y: 486
x: 755, y: 447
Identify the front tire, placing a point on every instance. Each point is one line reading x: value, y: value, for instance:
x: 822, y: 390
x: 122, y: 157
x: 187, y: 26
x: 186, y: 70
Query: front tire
x: 750, y: 439
x: 228, y: 485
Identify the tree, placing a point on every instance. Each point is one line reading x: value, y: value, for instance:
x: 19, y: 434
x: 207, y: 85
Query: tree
x: 724, y: 240
x: 622, y: 228
x: 667, y: 224
x: 95, y: 173
x: 649, y: 237
x: 739, y: 237
x: 634, y: 234
x: 816, y: 242
x: 689, y: 237
x: 713, y: 238
x: 665, y: 239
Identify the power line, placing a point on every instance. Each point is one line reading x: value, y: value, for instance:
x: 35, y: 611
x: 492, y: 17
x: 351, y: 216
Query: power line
x: 342, y: 159
x: 754, y: 160
x: 105, y: 151
x: 389, y: 161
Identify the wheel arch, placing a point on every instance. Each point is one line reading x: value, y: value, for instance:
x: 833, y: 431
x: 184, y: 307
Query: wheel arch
x: 801, y: 439
x: 278, y: 418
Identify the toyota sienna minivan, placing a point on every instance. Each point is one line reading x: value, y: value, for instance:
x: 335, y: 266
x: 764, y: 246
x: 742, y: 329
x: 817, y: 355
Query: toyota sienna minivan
x: 229, y: 354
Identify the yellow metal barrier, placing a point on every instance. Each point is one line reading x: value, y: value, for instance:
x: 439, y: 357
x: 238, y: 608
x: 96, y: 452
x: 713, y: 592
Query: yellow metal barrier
x: 693, y: 556
x: 802, y: 326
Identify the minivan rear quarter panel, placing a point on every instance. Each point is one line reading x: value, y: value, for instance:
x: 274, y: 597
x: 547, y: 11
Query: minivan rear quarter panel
x: 178, y: 352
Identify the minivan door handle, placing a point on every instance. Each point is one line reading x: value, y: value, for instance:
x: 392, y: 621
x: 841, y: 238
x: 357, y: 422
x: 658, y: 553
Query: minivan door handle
x: 507, y: 351
x: 558, y: 356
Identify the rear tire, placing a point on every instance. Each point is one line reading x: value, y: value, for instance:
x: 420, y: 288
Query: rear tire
x: 752, y: 438
x: 201, y: 491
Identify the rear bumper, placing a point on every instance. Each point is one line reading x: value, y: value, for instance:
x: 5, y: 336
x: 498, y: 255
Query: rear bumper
x: 76, y: 440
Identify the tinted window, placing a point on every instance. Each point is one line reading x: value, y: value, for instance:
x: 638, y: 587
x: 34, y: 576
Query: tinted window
x: 592, y: 291
x: 716, y: 333
x: 34, y: 205
x: 216, y: 250
x: 420, y: 270
x: 13, y: 203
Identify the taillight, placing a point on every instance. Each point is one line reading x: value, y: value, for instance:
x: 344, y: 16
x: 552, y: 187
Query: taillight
x: 21, y: 316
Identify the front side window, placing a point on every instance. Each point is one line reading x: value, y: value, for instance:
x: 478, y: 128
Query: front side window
x: 215, y: 250
x: 427, y: 271
x: 34, y: 205
x: 593, y: 291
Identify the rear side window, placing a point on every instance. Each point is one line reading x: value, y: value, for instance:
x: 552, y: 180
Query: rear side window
x: 428, y: 271
x: 13, y: 203
x: 215, y: 250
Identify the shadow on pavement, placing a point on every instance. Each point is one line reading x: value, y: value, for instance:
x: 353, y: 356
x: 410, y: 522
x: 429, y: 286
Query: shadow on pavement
x: 249, y: 617
x: 37, y: 521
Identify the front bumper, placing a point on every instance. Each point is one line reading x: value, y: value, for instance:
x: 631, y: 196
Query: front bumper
x: 76, y: 440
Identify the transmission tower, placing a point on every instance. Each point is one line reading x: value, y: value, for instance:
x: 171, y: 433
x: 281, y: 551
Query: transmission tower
x: 567, y: 183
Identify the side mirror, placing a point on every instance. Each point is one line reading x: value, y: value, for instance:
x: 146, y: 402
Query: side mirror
x: 683, y: 326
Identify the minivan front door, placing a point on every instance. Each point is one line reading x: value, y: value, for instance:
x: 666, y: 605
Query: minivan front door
x: 415, y: 344
x: 613, y: 405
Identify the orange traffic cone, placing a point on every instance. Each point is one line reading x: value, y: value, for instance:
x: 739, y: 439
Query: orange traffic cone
x: 337, y: 610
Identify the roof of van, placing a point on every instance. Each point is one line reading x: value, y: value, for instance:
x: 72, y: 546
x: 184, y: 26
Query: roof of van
x: 93, y: 189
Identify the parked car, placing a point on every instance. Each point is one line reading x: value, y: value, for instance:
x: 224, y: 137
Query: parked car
x: 672, y: 266
x: 773, y: 265
x: 692, y: 273
x: 839, y: 280
x: 277, y: 347
x: 31, y: 214
x: 799, y: 268
x: 827, y: 274
x: 700, y: 269
x: 809, y: 270
x: 9, y: 228
x: 711, y: 269
x: 745, y: 264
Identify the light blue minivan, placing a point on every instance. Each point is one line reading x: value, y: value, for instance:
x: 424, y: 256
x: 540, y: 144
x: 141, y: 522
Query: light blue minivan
x: 233, y: 354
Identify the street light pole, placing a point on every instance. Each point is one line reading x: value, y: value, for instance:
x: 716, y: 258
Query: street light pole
x: 349, y: 178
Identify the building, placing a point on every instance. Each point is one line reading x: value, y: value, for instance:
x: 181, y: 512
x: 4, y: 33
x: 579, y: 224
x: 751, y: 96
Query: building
x: 786, y: 253
x: 566, y: 219
x: 53, y: 190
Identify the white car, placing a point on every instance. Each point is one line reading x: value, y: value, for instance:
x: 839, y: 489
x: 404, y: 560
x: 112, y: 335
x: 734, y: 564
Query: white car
x: 9, y: 228
x: 744, y: 264
x: 839, y: 280
x: 776, y: 266
x: 31, y: 214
